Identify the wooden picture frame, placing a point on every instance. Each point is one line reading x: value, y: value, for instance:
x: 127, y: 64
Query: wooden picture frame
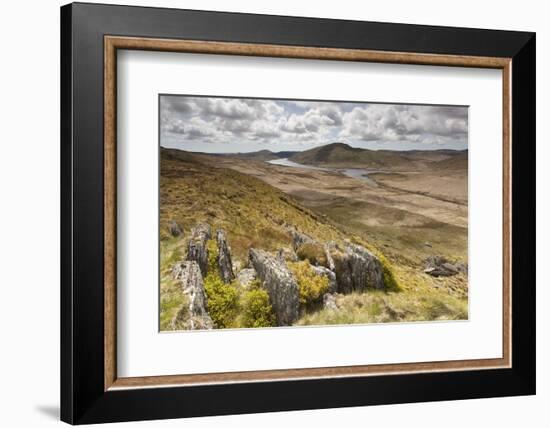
x: 91, y: 390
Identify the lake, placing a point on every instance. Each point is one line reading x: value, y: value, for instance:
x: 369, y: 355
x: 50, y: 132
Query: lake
x: 359, y: 173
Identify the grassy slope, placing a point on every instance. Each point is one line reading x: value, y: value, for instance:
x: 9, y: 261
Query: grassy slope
x: 339, y: 154
x: 251, y: 212
x: 342, y: 155
x: 254, y: 214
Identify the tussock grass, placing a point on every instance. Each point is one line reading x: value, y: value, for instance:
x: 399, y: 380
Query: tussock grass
x: 376, y: 306
x: 171, y: 296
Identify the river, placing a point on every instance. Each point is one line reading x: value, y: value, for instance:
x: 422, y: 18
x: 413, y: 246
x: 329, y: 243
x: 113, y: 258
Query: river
x: 359, y: 173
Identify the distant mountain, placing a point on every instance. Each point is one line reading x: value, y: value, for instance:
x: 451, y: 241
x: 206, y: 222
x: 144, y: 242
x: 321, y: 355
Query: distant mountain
x: 262, y: 155
x: 343, y: 155
x: 340, y: 154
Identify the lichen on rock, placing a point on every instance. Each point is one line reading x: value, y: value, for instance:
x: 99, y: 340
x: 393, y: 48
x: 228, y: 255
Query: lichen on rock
x: 224, y: 258
x: 194, y: 315
x: 197, y: 249
x: 357, y: 269
x: 280, y: 284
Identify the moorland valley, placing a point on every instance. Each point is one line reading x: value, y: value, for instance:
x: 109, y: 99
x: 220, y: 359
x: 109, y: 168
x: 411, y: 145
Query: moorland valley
x: 330, y: 235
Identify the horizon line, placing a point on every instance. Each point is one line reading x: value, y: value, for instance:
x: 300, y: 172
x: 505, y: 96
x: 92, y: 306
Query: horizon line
x: 317, y: 147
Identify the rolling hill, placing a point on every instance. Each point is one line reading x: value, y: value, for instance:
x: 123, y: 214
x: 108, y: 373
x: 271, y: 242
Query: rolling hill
x: 343, y: 155
x: 262, y: 155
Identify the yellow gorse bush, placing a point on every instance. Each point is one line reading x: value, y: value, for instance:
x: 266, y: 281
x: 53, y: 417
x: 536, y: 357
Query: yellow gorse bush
x: 311, y: 286
x: 256, y: 309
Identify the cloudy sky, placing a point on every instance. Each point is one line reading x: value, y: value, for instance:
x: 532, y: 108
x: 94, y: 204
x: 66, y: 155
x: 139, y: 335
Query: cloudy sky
x: 211, y: 124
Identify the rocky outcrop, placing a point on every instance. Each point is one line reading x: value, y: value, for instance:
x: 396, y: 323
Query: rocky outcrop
x: 439, y: 266
x: 315, y: 252
x: 330, y: 260
x: 175, y: 229
x: 245, y: 277
x: 280, y: 284
x: 298, y: 238
x: 224, y: 258
x: 194, y: 315
x: 323, y: 271
x: 366, y: 268
x: 357, y: 269
x: 197, y: 249
x: 287, y: 255
x: 329, y: 301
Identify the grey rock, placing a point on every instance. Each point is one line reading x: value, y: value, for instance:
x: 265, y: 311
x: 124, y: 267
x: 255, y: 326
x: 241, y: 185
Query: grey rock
x: 237, y: 266
x: 357, y: 269
x: 366, y: 268
x: 450, y: 267
x: 434, y: 261
x: 246, y: 276
x: 194, y: 315
x: 175, y: 229
x: 329, y: 301
x: 330, y: 260
x: 197, y: 249
x: 299, y: 239
x: 287, y: 255
x: 462, y: 267
x: 332, y: 285
x: 280, y: 284
x: 224, y: 258
x: 439, y: 266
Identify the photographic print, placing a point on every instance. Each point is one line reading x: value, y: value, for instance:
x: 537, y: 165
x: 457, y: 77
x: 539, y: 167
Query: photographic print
x: 280, y: 212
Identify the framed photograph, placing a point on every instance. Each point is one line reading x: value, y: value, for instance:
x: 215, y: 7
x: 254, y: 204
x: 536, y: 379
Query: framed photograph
x: 265, y: 213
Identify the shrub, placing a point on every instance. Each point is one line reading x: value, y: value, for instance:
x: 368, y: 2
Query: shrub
x: 313, y: 252
x: 212, y: 247
x: 223, y: 300
x: 256, y: 309
x: 311, y: 286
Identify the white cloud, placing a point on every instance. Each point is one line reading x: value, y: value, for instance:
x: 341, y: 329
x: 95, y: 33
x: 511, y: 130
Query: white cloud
x: 295, y: 123
x: 380, y: 122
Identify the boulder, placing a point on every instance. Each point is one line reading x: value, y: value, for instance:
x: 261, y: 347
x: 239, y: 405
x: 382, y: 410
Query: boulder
x: 332, y: 285
x: 365, y: 267
x: 194, y: 315
x: 329, y: 301
x: 287, y: 255
x: 439, y: 266
x: 245, y: 277
x: 197, y: 249
x: 175, y: 229
x: 224, y: 258
x: 357, y: 269
x: 280, y: 284
x: 298, y: 238
x: 462, y: 267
